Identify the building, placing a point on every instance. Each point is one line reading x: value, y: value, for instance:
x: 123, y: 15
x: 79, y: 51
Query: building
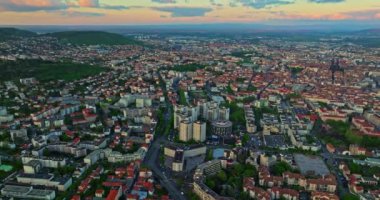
x: 205, y: 193
x: 208, y: 168
x: 201, y: 189
x: 250, y: 120
x: 45, y: 179
x: 209, y: 111
x: 199, y: 131
x: 76, y: 151
x: 32, y: 167
x: 323, y: 196
x: 20, y: 133
x: 186, y: 130
x: 222, y: 128
x: 115, y: 156
x: 27, y: 192
x: 50, y: 162
x: 4, y: 116
x: 176, y: 156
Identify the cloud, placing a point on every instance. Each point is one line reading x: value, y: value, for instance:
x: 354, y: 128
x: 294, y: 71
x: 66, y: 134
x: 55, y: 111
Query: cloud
x: 327, y: 1
x: 67, y: 13
x: 88, y: 3
x: 32, y: 6
x: 216, y: 3
x: 185, y: 11
x: 51, y: 5
x: 96, y: 4
x: 259, y: 4
x: 164, y: 1
x: 363, y: 14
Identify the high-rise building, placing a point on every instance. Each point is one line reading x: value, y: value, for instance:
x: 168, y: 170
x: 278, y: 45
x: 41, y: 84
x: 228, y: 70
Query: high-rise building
x: 199, y: 131
x: 186, y: 130
x: 224, y: 113
x: 179, y: 117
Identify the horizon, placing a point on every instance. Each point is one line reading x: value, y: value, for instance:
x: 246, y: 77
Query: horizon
x: 190, y: 12
x: 202, y: 27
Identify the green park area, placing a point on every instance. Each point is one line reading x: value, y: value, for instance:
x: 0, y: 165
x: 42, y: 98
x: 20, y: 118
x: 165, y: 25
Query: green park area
x: 341, y: 134
x: 46, y: 70
x: 188, y: 67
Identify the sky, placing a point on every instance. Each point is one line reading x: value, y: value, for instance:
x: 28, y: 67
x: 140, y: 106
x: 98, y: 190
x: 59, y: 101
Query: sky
x: 144, y: 12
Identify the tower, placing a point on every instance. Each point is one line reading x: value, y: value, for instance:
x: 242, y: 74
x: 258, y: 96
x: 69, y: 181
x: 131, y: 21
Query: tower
x: 335, y: 67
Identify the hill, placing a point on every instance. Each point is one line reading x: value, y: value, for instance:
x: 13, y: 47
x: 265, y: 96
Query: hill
x: 12, y: 33
x: 369, y: 32
x: 46, y: 70
x: 94, y: 38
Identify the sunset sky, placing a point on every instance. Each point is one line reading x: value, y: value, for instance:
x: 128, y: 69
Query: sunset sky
x: 120, y: 12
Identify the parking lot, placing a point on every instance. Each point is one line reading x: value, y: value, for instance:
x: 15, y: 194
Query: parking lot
x: 274, y: 141
x: 311, y: 165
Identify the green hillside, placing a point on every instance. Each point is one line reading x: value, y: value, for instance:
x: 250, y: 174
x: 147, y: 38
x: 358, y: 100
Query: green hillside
x: 94, y: 38
x: 46, y: 70
x: 12, y: 33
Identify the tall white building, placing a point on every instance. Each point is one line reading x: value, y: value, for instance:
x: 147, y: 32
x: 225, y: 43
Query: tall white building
x: 199, y: 131
x: 186, y: 130
x: 185, y: 119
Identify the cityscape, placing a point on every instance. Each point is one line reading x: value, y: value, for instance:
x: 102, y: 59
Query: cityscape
x: 187, y: 105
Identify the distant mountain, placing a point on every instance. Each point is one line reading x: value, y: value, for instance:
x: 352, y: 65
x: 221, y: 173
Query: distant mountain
x: 12, y: 33
x: 369, y: 32
x: 93, y: 38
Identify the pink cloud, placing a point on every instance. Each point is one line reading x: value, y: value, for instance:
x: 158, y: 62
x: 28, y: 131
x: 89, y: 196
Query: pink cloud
x: 88, y: 3
x: 37, y: 3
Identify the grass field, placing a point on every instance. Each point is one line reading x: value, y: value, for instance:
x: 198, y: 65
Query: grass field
x: 46, y: 70
x: 6, y: 168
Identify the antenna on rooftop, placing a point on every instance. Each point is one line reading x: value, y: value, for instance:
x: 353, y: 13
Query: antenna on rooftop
x: 335, y: 67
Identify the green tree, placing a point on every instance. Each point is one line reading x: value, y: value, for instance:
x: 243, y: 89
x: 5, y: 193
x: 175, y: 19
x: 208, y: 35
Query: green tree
x: 245, y: 139
x: 222, y: 176
x: 68, y: 120
x: 210, y: 183
x: 350, y: 197
x: 279, y: 168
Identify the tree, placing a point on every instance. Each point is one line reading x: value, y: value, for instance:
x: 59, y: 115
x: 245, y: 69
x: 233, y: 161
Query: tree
x: 280, y: 167
x: 250, y: 171
x: 210, y: 155
x: 210, y: 183
x: 229, y: 89
x: 350, y: 197
x: 239, y: 168
x: 222, y: 176
x: 182, y: 97
x: 245, y: 139
x: 68, y: 120
x: 244, y: 196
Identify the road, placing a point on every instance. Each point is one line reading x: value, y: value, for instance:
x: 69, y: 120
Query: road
x: 332, y: 161
x: 151, y: 160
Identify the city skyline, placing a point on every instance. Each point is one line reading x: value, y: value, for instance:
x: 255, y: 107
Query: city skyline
x: 143, y: 12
